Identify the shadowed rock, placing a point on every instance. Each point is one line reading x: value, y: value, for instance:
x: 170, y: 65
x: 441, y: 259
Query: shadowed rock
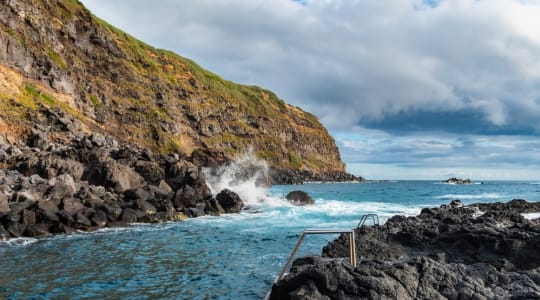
x: 300, y: 198
x: 125, y: 184
x: 229, y: 201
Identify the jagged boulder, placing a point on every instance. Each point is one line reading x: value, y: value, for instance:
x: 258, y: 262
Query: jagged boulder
x: 214, y: 208
x: 4, y: 234
x: 299, y: 198
x: 229, y: 201
x: 115, y: 175
x: 151, y: 171
x: 4, y: 205
x: 63, y: 186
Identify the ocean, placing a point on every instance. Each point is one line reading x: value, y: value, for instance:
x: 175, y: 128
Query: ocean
x: 234, y: 256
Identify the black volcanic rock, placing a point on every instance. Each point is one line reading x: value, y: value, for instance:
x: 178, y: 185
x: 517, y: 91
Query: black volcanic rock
x: 92, y: 181
x: 480, y: 251
x: 299, y: 198
x: 230, y: 201
x: 455, y: 180
x: 299, y: 177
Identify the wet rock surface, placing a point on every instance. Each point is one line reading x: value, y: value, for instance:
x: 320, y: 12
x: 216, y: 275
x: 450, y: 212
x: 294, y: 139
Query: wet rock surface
x: 299, y: 198
x: 89, y: 181
x: 479, y: 251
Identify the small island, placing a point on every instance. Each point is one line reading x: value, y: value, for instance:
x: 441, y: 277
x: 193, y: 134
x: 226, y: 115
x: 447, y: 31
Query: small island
x: 455, y: 180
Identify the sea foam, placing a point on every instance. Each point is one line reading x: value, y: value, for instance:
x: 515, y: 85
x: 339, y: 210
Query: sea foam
x: 469, y: 196
x: 248, y: 176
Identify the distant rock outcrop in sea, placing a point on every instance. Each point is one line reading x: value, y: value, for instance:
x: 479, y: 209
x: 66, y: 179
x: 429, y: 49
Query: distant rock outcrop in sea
x: 455, y: 180
x: 480, y: 251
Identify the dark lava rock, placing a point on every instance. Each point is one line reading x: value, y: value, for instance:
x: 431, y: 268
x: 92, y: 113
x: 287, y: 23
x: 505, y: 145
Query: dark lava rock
x: 129, y: 215
x: 480, y: 251
x: 4, y: 234
x: 4, y: 205
x: 300, y: 198
x: 16, y: 229
x: 416, y: 278
x: 115, y: 175
x: 79, y: 181
x: 37, y: 230
x: 298, y: 177
x: 186, y: 197
x: 229, y: 201
x: 99, y: 218
x: 63, y: 186
x: 214, y: 208
x: 455, y: 180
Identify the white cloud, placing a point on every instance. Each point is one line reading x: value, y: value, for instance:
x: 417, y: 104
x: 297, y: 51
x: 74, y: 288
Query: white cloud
x: 359, y: 62
x: 349, y: 61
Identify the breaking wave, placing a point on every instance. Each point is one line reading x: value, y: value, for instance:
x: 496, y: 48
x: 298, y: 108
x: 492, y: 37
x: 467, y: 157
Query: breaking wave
x: 248, y: 176
x: 468, y: 196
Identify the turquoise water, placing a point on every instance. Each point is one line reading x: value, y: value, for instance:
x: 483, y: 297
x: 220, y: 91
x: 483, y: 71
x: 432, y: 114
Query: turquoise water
x: 229, y: 257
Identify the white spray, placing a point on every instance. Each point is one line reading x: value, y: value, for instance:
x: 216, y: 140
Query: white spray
x: 248, y: 176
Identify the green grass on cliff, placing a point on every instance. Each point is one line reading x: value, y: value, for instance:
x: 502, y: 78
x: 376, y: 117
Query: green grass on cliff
x: 32, y: 91
x: 147, y: 59
x: 57, y: 59
x: 161, y: 100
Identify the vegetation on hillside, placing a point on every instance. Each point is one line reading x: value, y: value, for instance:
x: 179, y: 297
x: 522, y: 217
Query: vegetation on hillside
x: 116, y: 84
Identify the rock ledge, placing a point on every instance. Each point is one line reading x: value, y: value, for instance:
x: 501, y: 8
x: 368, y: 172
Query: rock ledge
x: 480, y: 251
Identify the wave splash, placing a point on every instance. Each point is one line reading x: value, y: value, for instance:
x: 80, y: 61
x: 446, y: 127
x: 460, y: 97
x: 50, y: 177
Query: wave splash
x: 248, y: 176
x: 19, y: 242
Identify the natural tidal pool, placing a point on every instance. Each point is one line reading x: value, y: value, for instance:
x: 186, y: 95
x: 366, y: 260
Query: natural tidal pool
x: 234, y: 256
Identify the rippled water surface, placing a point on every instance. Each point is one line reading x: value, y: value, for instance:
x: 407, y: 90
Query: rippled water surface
x: 229, y: 257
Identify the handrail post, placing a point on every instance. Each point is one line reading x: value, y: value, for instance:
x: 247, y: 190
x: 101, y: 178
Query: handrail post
x: 352, y: 249
x: 282, y: 273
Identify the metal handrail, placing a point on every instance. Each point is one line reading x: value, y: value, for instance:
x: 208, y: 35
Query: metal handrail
x: 352, y: 246
x: 364, y: 218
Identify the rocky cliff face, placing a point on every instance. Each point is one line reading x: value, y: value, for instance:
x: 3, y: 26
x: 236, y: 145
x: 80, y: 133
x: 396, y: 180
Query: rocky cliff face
x: 55, y: 55
x: 100, y: 130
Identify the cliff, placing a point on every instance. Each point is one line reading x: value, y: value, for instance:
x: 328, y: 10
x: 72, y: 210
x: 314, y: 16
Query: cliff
x: 55, y: 55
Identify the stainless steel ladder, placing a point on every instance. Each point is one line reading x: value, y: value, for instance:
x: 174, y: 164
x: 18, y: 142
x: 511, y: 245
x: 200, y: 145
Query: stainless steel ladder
x: 352, y: 247
x: 365, y: 217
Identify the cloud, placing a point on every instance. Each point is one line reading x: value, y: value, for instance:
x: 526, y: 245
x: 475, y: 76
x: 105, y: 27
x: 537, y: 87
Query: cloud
x: 358, y: 62
x: 425, y: 81
x: 382, y: 155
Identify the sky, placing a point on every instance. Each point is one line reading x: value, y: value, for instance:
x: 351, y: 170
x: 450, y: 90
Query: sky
x: 409, y: 89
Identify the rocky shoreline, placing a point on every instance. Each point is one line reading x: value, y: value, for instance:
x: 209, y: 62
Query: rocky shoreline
x: 480, y: 251
x: 61, y: 178
x: 300, y: 177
